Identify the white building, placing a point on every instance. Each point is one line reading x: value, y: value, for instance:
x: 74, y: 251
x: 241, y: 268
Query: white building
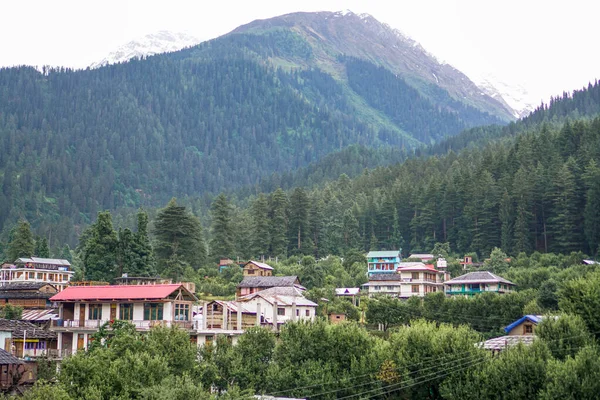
x: 411, y: 279
x: 278, y: 305
x: 84, y: 309
x: 47, y: 270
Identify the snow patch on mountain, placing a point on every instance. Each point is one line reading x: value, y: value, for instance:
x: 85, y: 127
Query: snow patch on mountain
x: 155, y: 43
x: 514, y: 95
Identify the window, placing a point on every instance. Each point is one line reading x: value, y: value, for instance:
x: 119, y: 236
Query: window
x: 377, y: 287
x: 308, y: 313
x: 415, y: 275
x: 153, y: 311
x: 95, y: 311
x: 182, y: 312
x: 208, y: 339
x: 415, y: 288
x: 297, y: 312
x: 250, y: 272
x: 280, y: 311
x: 35, y: 345
x: 390, y: 288
x: 40, y: 275
x: 126, y: 311
x: 528, y: 329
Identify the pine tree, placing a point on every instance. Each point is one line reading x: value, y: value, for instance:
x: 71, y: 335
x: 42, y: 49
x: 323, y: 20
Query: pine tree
x: 350, y: 231
x: 100, y: 250
x: 298, y: 221
x: 506, y: 221
x: 41, y: 248
x: 221, y: 244
x: 22, y: 244
x: 565, y: 222
x: 397, y: 239
x: 278, y: 226
x: 260, y: 239
x: 144, y: 263
x: 316, y: 225
x: 592, y: 207
x: 176, y: 228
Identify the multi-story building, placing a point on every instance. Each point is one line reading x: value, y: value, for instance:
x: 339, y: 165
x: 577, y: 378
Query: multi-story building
x: 48, y: 270
x: 411, y: 279
x: 27, y: 294
x: 478, y: 282
x: 84, y: 309
x: 383, y: 262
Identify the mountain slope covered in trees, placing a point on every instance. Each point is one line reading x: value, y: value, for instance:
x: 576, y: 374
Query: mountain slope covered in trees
x: 220, y: 115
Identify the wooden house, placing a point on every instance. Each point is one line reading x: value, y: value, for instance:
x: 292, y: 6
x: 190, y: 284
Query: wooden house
x: 253, y: 284
x: 255, y: 268
x: 27, y: 294
x: 224, y: 315
x: 26, y: 340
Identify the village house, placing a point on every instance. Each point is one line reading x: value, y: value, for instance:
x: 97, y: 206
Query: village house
x: 350, y: 293
x: 26, y: 340
x: 27, y: 294
x: 467, y: 263
x: 382, y: 262
x: 337, y: 318
x: 253, y: 284
x: 477, y: 282
x: 520, y: 331
x: 255, y: 268
x: 411, y: 279
x: 14, y: 372
x: 278, y: 305
x: 421, y: 256
x: 84, y: 309
x: 47, y: 270
x: 227, y: 318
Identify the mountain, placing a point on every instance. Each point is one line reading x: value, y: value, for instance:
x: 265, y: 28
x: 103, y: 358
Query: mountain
x: 149, y: 45
x: 514, y: 96
x: 273, y: 96
x: 330, y: 34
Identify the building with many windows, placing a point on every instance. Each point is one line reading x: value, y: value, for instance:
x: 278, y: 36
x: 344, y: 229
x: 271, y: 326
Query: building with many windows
x: 478, y: 282
x: 47, y: 270
x: 382, y: 262
x: 84, y: 309
x: 411, y: 279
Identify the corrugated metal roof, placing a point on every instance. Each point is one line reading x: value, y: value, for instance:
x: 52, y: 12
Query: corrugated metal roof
x: 389, y: 253
x: 283, y: 296
x: 38, y: 260
x: 259, y: 265
x: 478, y: 277
x: 118, y: 292
x: 503, y: 342
x: 536, y: 319
x: 421, y: 256
x: 268, y: 281
x: 415, y: 266
x: 39, y: 315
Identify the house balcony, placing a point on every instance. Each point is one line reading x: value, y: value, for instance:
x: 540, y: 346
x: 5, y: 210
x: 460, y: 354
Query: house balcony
x: 53, y: 354
x: 95, y: 324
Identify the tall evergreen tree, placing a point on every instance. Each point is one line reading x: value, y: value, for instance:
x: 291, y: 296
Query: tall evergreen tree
x: 41, y: 248
x: 260, y: 226
x: 100, y: 250
x: 144, y: 263
x: 298, y: 221
x: 566, y: 225
x: 21, y: 244
x: 506, y: 221
x: 350, y: 232
x: 279, y: 223
x: 397, y: 239
x: 221, y: 243
x: 177, y: 229
x: 592, y: 207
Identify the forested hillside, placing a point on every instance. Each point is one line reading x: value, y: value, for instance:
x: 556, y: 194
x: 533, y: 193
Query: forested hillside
x: 217, y: 116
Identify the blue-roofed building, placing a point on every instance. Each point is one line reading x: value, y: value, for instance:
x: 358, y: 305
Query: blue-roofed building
x: 383, y: 262
x: 524, y: 325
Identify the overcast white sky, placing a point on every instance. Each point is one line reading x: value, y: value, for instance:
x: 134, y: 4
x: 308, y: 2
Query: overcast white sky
x: 547, y: 46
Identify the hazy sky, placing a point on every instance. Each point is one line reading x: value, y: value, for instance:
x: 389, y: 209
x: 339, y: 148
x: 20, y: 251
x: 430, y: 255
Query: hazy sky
x: 547, y: 46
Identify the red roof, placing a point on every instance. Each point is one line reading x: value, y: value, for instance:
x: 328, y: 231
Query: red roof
x: 117, y: 292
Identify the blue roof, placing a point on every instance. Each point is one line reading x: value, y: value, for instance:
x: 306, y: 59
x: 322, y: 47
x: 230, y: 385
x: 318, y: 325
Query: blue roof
x: 533, y: 318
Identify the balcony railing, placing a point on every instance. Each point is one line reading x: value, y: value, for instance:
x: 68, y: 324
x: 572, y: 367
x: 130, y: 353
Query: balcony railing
x: 139, y: 324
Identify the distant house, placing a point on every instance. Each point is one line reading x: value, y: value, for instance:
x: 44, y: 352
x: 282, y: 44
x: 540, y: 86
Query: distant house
x: 84, y: 309
x: 347, y: 292
x: 278, y: 305
x: 382, y: 262
x: 337, y: 318
x: 141, y: 280
x: 27, y: 294
x: 255, y: 268
x: 253, y: 284
x: 228, y: 318
x: 24, y: 339
x: 411, y: 279
x: 520, y: 331
x: 422, y: 256
x: 478, y: 282
x: 13, y: 371
x: 48, y: 270
x: 467, y: 263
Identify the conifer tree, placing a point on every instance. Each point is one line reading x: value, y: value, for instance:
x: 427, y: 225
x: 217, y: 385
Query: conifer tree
x: 397, y: 239
x: 145, y: 262
x: 565, y: 221
x: 279, y: 223
x: 592, y: 207
x: 22, y: 244
x: 176, y: 228
x: 506, y: 221
x: 221, y: 244
x: 100, y: 250
x: 41, y: 248
x: 298, y: 221
x: 350, y: 231
x: 260, y: 239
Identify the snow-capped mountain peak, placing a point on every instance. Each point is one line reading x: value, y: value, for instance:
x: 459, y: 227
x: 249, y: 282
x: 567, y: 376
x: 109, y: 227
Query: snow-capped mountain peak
x: 514, y: 95
x: 155, y: 43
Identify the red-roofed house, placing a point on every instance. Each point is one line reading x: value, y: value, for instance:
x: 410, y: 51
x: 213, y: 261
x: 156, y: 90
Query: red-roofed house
x: 83, y: 309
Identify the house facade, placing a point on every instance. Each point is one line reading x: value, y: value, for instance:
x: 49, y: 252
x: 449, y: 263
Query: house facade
x: 524, y: 326
x: 26, y: 340
x: 278, y: 305
x: 84, y: 309
x: 411, y: 279
x: 45, y: 270
x: 27, y: 294
x: 382, y: 262
x: 478, y: 282
x: 255, y: 268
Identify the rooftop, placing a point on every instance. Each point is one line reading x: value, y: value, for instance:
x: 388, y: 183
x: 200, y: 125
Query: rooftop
x: 346, y: 291
x: 7, y: 358
x: 119, y: 292
x: 536, y: 319
x: 388, y: 253
x: 268, y: 281
x: 502, y: 342
x: 259, y: 265
x: 282, y: 295
x: 37, y: 260
x: 421, y: 256
x: 17, y: 286
x: 24, y: 328
x: 385, y: 277
x: 415, y: 266
x: 478, y: 277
